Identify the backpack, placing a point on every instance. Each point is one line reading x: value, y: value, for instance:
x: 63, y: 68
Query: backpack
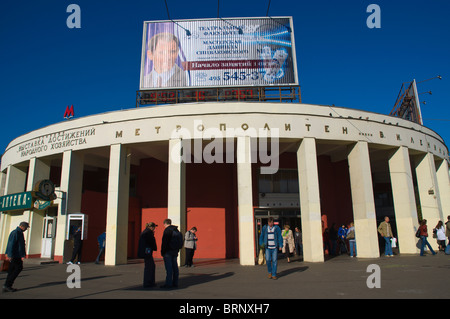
x: 418, y: 233
x: 177, y: 240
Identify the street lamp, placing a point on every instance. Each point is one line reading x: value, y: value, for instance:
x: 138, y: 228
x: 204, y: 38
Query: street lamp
x: 436, y: 77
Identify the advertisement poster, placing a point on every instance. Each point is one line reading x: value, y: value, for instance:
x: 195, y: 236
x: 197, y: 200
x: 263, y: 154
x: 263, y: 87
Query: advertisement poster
x: 218, y: 53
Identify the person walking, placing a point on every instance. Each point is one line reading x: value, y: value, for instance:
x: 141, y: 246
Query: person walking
x: 288, y: 242
x: 440, y: 235
x: 423, y: 237
x: 101, y: 239
x: 172, y: 241
x: 351, y: 239
x: 190, y: 245
x: 298, y: 241
x: 15, y: 253
x: 77, y: 247
x: 447, y: 229
x: 385, y: 231
x: 273, y: 241
x: 146, y: 247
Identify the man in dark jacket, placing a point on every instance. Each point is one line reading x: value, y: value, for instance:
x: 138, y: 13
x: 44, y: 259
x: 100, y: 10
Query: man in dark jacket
x: 146, y: 247
x: 15, y: 252
x: 169, y: 254
x: 77, y: 246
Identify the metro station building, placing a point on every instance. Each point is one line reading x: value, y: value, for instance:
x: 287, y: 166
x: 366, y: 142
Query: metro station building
x: 335, y: 165
x: 224, y: 164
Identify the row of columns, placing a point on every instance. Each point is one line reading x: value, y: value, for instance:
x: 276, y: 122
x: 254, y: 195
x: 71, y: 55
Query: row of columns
x: 433, y: 206
x: 361, y: 193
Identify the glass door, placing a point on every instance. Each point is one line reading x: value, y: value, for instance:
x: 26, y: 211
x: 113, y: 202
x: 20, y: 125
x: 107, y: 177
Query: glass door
x: 48, y: 235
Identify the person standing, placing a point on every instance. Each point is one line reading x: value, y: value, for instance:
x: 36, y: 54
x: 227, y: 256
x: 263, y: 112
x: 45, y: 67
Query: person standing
x: 77, y: 247
x: 447, y: 229
x: 333, y: 239
x: 351, y: 239
x: 146, y: 247
x: 440, y: 235
x: 288, y: 242
x: 101, y: 246
x: 273, y: 241
x: 190, y: 244
x: 169, y: 251
x: 423, y: 237
x: 298, y: 241
x: 342, y: 234
x: 15, y: 253
x: 385, y: 231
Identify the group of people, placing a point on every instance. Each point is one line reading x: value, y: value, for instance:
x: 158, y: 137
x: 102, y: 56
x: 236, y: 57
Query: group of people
x: 440, y: 232
x: 335, y: 240
x: 272, y: 239
x: 172, y: 242
x: 343, y: 234
x: 78, y: 247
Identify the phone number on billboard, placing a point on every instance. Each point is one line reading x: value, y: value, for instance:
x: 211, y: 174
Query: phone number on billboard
x: 242, y: 76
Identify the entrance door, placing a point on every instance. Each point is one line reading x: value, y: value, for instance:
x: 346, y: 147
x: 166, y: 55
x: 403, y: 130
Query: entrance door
x: 48, y: 236
x: 280, y: 217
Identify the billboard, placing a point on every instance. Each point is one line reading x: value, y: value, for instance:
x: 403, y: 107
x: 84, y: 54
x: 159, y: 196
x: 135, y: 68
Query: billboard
x: 230, y: 52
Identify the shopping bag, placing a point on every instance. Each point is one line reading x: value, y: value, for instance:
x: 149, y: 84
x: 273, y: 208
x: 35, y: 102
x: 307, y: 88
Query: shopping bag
x: 394, y: 242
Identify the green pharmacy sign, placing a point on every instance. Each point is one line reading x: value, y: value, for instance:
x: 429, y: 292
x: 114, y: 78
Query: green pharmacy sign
x: 16, y: 201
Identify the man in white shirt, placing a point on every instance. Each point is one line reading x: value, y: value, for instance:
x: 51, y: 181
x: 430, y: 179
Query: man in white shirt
x: 273, y: 241
x: 163, y: 50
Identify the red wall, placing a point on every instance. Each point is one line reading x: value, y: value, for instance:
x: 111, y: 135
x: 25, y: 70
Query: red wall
x: 94, y: 205
x: 210, y: 224
x: 335, y: 192
x: 211, y: 200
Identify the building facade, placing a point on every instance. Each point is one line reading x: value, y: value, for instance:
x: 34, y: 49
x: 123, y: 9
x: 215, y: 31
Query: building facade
x: 225, y: 168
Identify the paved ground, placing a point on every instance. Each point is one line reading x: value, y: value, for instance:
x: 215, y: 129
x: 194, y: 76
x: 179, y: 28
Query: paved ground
x: 406, y: 277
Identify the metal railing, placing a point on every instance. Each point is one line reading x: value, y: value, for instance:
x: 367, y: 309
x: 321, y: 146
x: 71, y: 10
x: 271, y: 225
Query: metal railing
x: 223, y: 94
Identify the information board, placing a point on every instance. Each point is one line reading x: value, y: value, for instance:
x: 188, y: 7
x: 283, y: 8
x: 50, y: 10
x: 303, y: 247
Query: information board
x: 233, y: 52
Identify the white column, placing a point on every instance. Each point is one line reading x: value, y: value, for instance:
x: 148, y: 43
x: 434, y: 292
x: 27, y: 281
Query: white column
x: 363, y: 202
x: 15, y: 183
x: 310, y: 211
x: 245, y: 201
x: 15, y: 180
x: 71, y: 188
x: 404, y: 200
x: 444, y: 187
x: 38, y: 170
x: 430, y: 202
x: 176, y: 202
x: 116, y: 246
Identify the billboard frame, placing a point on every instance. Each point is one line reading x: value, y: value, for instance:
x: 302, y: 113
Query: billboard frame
x: 227, y: 20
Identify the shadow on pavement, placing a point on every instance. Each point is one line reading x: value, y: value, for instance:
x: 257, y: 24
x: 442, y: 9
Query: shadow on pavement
x: 187, y: 280
x: 64, y: 282
x: 290, y: 271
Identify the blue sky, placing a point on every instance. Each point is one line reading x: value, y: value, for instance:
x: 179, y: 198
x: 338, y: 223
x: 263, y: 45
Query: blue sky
x: 45, y: 66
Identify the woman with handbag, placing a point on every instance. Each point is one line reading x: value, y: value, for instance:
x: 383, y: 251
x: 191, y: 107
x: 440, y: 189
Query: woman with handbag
x: 288, y: 242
